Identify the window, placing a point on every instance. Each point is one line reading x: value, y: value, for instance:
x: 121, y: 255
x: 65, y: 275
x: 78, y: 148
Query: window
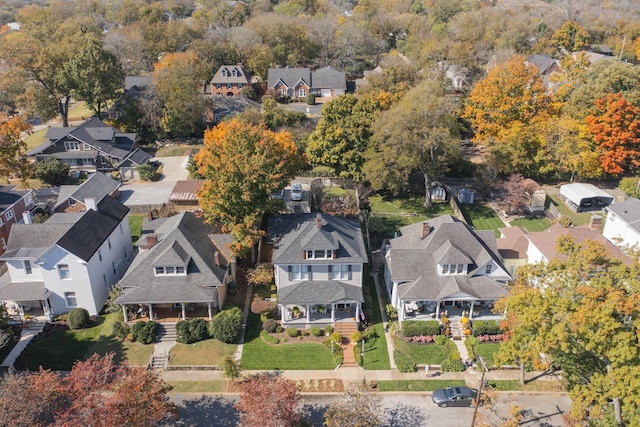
x: 70, y: 298
x: 488, y: 269
x: 302, y: 92
x: 460, y: 268
x: 86, y: 147
x: 299, y: 272
x: 72, y: 202
x: 234, y: 73
x: 159, y: 271
x: 224, y: 72
x: 100, y: 255
x: 229, y: 85
x: 3, y: 243
x: 174, y: 271
x: 169, y: 270
x: 87, y: 162
x: 27, y: 267
x: 319, y: 254
x: 340, y: 272
x: 1, y: 221
x: 445, y: 269
x: 63, y: 272
x: 239, y: 85
x: 9, y: 215
x: 72, y: 146
x: 180, y: 271
x: 218, y: 85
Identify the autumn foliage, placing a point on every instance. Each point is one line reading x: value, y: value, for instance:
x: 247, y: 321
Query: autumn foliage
x: 268, y: 400
x: 615, y: 125
x: 12, y: 147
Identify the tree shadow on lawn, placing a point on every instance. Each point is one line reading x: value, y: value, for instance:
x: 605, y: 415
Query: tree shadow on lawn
x: 205, y: 411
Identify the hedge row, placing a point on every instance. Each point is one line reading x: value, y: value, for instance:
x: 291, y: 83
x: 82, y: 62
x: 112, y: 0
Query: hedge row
x: 485, y: 327
x: 192, y: 330
x: 412, y: 328
x: 404, y: 362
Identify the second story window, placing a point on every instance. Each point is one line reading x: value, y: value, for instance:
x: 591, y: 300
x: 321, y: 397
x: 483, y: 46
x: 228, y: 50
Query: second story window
x: 170, y: 271
x: 340, y: 272
x: 9, y: 215
x: 27, y: 267
x: 299, y: 272
x: 319, y: 254
x: 71, y: 146
x: 63, y: 272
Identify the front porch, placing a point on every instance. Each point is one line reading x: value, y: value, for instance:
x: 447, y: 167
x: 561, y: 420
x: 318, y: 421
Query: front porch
x: 308, y: 315
x: 454, y: 310
x: 167, y: 313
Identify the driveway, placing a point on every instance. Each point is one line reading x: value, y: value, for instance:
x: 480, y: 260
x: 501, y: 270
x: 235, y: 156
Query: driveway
x: 134, y: 193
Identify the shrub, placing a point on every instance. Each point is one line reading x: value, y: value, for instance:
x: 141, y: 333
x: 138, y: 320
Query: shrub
x: 452, y: 365
x: 315, y: 331
x: 292, y: 332
x: 491, y: 338
x: 279, y: 329
x: 192, y: 330
x: 328, y: 329
x: 52, y: 171
x: 305, y: 333
x: 144, y: 332
x: 441, y: 340
x: 147, y: 172
x: 259, y: 305
x: 311, y: 99
x: 336, y: 337
x: 412, y: 328
x: 270, y: 326
x: 269, y: 338
x: 425, y: 339
x: 485, y: 327
x: 369, y: 334
x: 77, y: 318
x: 392, y: 312
x: 565, y: 221
x: 226, y: 325
x: 404, y: 362
x: 121, y: 330
x: 356, y: 336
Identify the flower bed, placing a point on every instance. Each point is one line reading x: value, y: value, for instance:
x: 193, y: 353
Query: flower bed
x: 490, y: 338
x: 424, y: 339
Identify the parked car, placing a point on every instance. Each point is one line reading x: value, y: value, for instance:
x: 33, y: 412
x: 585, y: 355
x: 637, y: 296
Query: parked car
x: 296, y: 192
x: 454, y: 396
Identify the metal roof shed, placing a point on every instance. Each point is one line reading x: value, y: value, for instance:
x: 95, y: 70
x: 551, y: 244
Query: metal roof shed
x: 580, y: 196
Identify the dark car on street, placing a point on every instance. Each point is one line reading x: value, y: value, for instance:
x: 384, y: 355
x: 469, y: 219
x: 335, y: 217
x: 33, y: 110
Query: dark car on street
x: 454, y: 396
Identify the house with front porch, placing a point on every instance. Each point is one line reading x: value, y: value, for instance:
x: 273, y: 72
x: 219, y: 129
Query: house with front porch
x: 72, y: 260
x: 443, y: 264
x: 318, y: 262
x: 183, y: 270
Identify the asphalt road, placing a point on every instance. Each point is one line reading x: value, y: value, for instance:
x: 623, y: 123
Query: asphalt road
x: 398, y: 410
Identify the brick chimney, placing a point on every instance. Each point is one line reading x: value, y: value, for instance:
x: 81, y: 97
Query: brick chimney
x: 319, y: 220
x: 216, y: 258
x: 152, y: 239
x: 426, y: 229
x: 595, y: 222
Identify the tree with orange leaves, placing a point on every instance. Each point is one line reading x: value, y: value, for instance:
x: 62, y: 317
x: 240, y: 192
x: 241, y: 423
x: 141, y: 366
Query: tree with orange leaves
x: 269, y: 400
x: 12, y: 148
x: 243, y: 164
x: 615, y: 125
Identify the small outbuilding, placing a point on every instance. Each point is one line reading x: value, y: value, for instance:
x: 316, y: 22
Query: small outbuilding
x: 466, y: 196
x: 583, y: 197
x: 537, y: 194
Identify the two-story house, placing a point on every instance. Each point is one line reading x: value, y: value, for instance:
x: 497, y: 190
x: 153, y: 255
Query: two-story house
x: 299, y: 82
x: 13, y: 203
x: 98, y: 186
x: 72, y: 260
x: 92, y: 146
x: 318, y: 263
x: 230, y: 80
x: 443, y: 264
x: 622, y: 226
x: 183, y: 270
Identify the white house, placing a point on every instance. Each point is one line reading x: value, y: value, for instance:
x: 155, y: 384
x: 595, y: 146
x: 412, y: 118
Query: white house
x: 70, y: 261
x: 622, y: 225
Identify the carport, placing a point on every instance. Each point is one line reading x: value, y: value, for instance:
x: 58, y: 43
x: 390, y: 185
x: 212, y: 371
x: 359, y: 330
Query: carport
x: 580, y: 197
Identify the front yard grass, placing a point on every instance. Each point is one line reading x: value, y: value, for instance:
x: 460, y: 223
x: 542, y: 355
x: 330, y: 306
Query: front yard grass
x: 60, y: 350
x: 177, y: 150
x: 422, y: 354
x: 482, y: 217
x: 257, y: 354
x: 207, y: 352
x: 532, y: 224
x: 376, y: 355
x: 198, y: 386
x: 418, y: 385
x: 486, y: 351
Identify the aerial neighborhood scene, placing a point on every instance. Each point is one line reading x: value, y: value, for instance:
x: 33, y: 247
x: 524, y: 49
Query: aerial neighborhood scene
x: 328, y: 213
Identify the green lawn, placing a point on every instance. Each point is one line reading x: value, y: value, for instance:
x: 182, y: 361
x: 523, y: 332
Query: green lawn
x: 198, y: 386
x: 207, y: 352
x: 407, y: 205
x: 78, y: 110
x: 60, y: 350
x: 328, y: 192
x: 532, y: 224
x: 35, y: 139
x: 257, y: 354
x: 486, y: 351
x: 482, y: 217
x: 177, y: 150
x: 422, y: 354
x: 376, y: 355
x: 578, y: 218
x: 418, y: 385
x: 135, y: 223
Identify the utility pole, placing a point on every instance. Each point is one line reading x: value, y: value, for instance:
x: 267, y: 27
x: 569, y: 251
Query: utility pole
x: 624, y: 40
x: 475, y: 408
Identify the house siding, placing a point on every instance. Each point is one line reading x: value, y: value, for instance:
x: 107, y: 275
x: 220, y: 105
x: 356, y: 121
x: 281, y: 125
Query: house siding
x: 18, y: 209
x: 618, y: 231
x: 318, y: 272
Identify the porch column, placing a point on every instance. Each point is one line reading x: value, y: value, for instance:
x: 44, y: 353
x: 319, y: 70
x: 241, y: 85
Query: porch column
x: 47, y: 308
x: 151, y: 317
x: 184, y: 311
x: 358, y: 312
x: 437, y: 309
x: 471, y: 309
x: 124, y: 312
x: 333, y: 312
x: 21, y: 312
x: 308, y: 314
x: 210, y: 312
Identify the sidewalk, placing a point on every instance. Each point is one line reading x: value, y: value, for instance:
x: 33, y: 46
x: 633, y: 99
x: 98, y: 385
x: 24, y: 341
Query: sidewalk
x: 27, y: 335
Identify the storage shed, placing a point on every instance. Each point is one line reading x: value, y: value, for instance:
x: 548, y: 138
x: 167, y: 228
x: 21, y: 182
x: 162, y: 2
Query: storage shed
x: 537, y: 193
x: 582, y: 197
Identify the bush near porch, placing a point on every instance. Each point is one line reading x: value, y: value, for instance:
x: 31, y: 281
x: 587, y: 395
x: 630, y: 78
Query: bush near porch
x: 413, y: 328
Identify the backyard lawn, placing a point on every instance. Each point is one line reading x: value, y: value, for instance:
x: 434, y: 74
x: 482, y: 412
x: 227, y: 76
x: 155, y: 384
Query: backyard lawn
x: 207, y: 352
x: 532, y: 224
x: 135, y: 224
x: 177, y: 150
x: 422, y: 354
x: 407, y: 205
x: 258, y: 354
x: 61, y: 349
x: 482, y: 217
x: 35, y: 139
x: 577, y: 218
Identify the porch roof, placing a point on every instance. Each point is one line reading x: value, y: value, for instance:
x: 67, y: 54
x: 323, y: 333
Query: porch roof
x: 451, y: 287
x: 167, y: 292
x: 319, y: 292
x: 22, y: 291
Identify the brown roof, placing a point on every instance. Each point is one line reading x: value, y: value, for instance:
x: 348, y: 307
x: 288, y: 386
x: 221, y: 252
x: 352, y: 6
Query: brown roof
x: 514, y: 243
x: 185, y: 191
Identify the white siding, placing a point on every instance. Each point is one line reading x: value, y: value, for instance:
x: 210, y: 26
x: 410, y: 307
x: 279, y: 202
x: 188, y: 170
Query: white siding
x: 618, y: 232
x: 318, y: 272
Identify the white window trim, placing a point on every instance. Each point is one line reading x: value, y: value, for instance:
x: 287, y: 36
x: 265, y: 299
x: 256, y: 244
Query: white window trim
x: 299, y: 272
x: 3, y: 243
x: 28, y: 267
x: 9, y: 215
x: 71, y: 146
x: 68, y: 295
x: 340, y: 272
x: 60, y: 271
x: 162, y: 271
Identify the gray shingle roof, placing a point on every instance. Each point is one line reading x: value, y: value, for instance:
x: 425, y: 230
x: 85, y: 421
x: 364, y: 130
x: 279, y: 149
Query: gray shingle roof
x: 240, y: 77
x: 21, y: 291
x: 628, y: 211
x: 289, y: 76
x: 97, y: 186
x: 319, y: 292
x: 328, y: 77
x: 30, y: 241
x: 180, y: 236
x: 9, y: 195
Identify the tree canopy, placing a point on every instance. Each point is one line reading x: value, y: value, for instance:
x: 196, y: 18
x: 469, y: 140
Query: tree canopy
x: 12, y: 148
x: 268, y: 400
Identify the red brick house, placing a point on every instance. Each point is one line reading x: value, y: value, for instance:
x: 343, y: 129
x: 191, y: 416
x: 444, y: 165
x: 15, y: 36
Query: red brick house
x: 13, y: 204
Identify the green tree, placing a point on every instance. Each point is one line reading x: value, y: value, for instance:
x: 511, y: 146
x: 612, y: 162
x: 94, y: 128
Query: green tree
x: 243, y: 164
x: 52, y: 171
x: 225, y: 326
x: 571, y: 37
x: 631, y: 186
x: 418, y: 134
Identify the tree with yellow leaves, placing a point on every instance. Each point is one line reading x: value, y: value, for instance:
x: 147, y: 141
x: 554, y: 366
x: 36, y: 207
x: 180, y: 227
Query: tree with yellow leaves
x: 12, y: 148
x: 243, y: 164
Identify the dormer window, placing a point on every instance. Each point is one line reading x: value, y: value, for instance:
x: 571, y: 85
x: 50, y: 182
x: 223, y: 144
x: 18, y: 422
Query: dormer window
x: 319, y: 254
x: 452, y: 269
x: 170, y: 271
x: 71, y: 146
x: 224, y: 73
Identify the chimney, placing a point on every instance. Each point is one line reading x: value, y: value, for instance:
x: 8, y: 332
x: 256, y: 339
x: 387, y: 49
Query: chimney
x: 216, y: 258
x: 595, y: 222
x: 90, y: 203
x: 426, y: 229
x: 152, y: 239
x: 197, y: 213
x: 319, y: 220
x: 26, y: 217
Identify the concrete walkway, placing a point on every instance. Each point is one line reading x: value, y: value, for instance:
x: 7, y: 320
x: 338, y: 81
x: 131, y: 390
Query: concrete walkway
x: 25, y: 338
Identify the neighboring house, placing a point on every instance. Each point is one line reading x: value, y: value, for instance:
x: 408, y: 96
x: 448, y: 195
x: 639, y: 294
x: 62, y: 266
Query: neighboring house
x: 92, y: 146
x: 318, y: 263
x: 547, y: 66
x: 220, y: 107
x: 71, y: 198
x: 622, y: 225
x: 512, y: 246
x: 13, y: 204
x: 182, y: 270
x: 536, y: 193
x: 135, y: 88
x: 184, y: 195
x: 443, y: 264
x: 72, y: 260
x: 300, y: 82
x: 230, y: 80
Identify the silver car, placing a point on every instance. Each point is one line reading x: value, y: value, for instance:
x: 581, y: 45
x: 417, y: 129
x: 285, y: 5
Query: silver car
x: 454, y: 396
x: 296, y: 192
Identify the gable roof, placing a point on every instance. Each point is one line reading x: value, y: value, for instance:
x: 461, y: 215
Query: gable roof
x: 290, y: 77
x: 328, y: 77
x: 225, y: 106
x: 31, y: 241
x: 186, y: 191
x: 514, y: 243
x: 628, y: 211
x: 292, y: 235
x: 98, y: 186
x: 180, y: 238
x: 10, y: 196
x: 241, y: 75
